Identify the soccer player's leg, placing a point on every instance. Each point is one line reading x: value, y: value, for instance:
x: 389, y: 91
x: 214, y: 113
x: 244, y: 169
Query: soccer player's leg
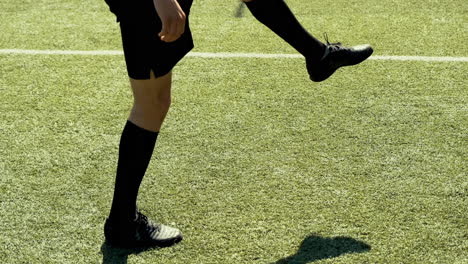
x: 322, y: 59
x: 126, y: 226
x: 149, y: 63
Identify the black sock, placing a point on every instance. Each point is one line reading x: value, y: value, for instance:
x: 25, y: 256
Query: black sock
x: 277, y: 16
x: 135, y: 151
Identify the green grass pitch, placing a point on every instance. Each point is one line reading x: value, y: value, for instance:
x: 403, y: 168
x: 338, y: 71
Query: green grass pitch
x: 255, y: 164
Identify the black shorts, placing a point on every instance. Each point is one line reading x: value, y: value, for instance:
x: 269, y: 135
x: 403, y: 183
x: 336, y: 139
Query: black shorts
x: 144, y: 51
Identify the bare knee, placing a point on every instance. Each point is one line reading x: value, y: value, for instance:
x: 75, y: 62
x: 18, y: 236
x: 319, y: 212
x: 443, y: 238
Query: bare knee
x: 150, y: 114
x: 152, y: 100
x: 154, y: 105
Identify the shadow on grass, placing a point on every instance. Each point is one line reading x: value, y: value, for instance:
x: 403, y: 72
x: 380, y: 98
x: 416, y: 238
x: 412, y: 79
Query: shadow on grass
x: 315, y: 248
x: 113, y: 255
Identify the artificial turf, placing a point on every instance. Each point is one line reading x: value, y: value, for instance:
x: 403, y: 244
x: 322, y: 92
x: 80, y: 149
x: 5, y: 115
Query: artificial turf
x: 255, y: 164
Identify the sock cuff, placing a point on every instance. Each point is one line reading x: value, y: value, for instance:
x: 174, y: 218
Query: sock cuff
x: 134, y: 129
x: 135, y: 137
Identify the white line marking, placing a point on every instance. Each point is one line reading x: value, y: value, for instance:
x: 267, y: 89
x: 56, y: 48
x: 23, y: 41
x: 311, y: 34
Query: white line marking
x: 61, y: 52
x: 226, y: 55
x: 420, y: 58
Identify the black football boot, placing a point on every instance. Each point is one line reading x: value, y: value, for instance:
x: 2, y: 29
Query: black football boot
x: 141, y: 232
x: 336, y: 55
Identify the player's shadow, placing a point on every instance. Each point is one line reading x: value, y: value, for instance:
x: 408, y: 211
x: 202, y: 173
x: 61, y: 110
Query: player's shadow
x: 113, y: 255
x: 315, y: 248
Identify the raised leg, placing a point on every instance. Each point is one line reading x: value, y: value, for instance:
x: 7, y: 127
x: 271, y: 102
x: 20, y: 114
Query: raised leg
x: 322, y: 60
